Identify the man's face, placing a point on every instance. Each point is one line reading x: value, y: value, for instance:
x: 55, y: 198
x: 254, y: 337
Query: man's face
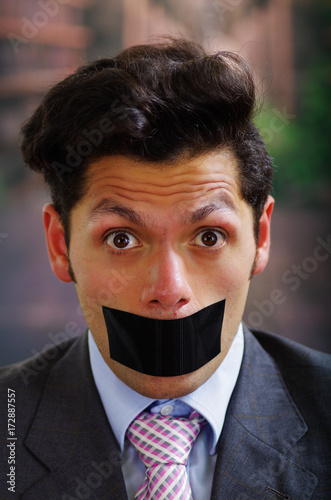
x: 162, y: 241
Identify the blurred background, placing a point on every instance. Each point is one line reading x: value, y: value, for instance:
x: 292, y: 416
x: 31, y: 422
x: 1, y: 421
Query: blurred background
x: 288, y: 45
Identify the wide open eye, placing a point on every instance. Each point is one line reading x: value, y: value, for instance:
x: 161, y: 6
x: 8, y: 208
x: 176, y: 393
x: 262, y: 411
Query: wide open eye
x: 121, y: 240
x: 210, y: 238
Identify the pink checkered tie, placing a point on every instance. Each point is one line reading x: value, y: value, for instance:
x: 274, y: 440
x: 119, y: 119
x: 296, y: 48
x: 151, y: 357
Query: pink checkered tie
x: 164, y: 444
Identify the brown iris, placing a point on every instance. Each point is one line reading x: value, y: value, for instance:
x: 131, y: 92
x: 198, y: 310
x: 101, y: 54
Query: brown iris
x: 121, y: 240
x: 209, y: 238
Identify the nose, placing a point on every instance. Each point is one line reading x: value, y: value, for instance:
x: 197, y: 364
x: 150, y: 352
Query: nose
x: 166, y: 285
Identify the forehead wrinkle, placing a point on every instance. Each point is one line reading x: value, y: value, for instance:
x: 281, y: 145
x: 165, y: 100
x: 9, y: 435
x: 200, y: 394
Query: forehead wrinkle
x: 108, y: 206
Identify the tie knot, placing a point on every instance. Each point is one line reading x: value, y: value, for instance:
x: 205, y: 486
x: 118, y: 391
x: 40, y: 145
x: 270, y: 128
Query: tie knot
x: 161, y: 439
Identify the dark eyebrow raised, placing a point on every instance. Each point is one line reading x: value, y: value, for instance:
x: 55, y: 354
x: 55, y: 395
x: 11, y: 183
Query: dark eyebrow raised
x: 202, y: 213
x: 107, y: 207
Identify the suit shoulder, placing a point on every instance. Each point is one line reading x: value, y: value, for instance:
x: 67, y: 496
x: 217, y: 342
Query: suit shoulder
x: 33, y: 372
x: 25, y: 383
x: 306, y: 374
x: 290, y: 355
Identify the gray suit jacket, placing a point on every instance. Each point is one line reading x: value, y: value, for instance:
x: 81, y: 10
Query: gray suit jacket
x: 275, y: 443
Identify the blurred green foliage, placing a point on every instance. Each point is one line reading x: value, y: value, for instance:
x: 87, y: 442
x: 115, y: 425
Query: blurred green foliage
x: 302, y: 147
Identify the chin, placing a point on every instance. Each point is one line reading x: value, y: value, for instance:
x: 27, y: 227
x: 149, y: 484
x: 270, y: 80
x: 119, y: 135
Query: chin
x: 168, y: 387
x: 164, y: 387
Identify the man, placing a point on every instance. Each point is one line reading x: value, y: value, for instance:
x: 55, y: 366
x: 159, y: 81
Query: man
x: 159, y: 176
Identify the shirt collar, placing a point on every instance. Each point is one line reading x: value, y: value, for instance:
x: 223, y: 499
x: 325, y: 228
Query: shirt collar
x: 129, y: 403
x: 222, y: 383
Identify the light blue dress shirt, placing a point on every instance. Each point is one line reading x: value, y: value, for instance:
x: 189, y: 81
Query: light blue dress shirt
x: 211, y: 400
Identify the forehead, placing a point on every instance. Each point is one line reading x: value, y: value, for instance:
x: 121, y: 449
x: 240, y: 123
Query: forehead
x: 184, y: 182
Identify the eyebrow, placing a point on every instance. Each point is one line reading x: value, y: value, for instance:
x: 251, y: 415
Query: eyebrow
x: 109, y: 207
x: 224, y: 205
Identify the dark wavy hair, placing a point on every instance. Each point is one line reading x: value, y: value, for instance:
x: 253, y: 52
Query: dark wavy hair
x: 155, y: 103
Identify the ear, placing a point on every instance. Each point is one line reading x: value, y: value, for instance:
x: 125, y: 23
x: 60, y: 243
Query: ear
x: 263, y: 247
x: 57, y: 250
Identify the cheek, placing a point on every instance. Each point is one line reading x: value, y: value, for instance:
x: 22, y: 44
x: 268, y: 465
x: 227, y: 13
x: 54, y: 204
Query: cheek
x: 95, y: 290
x: 104, y: 288
x: 229, y: 276
x: 97, y: 280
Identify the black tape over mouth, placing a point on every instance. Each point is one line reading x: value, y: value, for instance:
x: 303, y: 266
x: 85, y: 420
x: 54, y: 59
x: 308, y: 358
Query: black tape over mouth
x: 165, y: 348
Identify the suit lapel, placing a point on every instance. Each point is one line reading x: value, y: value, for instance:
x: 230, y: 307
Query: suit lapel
x: 261, y: 429
x: 71, y: 436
